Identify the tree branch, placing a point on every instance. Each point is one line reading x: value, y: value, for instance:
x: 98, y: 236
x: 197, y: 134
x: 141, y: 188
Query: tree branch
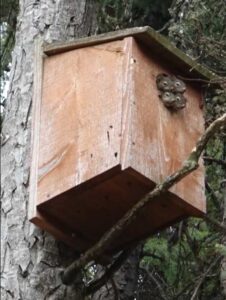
x: 156, y: 281
x: 217, y: 80
x: 115, y: 266
x: 217, y: 161
x: 215, y: 223
x: 204, y: 276
x: 212, y: 194
x: 188, y: 166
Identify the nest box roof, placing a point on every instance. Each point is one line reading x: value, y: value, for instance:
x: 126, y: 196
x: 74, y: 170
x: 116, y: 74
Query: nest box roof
x: 157, y: 43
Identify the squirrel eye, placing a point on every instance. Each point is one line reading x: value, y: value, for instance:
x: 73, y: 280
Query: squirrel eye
x: 164, y: 82
x: 177, y: 83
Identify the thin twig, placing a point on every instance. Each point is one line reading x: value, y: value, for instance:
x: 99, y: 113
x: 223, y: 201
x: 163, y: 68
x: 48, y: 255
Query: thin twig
x: 217, y: 80
x: 116, y: 294
x: 217, y: 161
x: 158, y: 284
x: 215, y: 223
x: 212, y: 194
x: 204, y: 276
x: 189, y: 165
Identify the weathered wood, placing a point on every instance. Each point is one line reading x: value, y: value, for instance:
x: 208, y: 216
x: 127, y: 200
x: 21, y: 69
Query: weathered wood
x: 106, y: 140
x: 81, y: 111
x: 163, y: 137
x: 88, y: 214
x: 36, y: 115
x: 155, y: 41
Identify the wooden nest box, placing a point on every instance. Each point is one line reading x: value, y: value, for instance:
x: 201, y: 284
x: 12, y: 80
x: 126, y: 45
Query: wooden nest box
x: 103, y: 138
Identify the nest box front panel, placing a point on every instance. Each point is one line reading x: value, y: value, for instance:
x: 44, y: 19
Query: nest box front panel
x: 80, y: 117
x: 161, y: 139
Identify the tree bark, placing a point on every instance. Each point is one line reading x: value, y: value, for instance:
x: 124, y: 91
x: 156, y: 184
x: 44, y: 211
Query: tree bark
x: 31, y: 260
x: 223, y: 263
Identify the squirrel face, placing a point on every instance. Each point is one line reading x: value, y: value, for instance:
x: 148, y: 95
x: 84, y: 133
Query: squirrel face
x: 180, y: 101
x: 178, y: 85
x: 170, y: 83
x: 164, y: 82
x: 171, y: 91
x: 168, y: 98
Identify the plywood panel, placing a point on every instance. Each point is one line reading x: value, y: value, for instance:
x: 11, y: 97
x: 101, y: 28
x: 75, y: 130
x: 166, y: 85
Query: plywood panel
x: 94, y: 209
x: 80, y: 117
x: 161, y: 139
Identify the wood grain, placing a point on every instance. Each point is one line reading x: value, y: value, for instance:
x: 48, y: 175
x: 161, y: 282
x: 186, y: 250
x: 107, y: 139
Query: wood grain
x: 36, y: 109
x: 161, y: 139
x: 81, y: 112
x: 105, y: 140
x: 158, y: 44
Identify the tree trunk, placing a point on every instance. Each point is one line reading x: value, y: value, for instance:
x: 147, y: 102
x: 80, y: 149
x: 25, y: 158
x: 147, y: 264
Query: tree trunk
x: 32, y: 260
x: 223, y: 264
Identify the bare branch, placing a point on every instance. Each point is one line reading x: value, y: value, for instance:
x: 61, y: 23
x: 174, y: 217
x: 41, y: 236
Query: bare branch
x: 217, y: 161
x: 188, y: 166
x: 213, y: 195
x: 217, y: 80
x: 204, y: 276
x: 156, y: 281
x: 215, y: 223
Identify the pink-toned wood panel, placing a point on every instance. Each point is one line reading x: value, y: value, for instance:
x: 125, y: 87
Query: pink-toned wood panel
x: 160, y: 140
x: 105, y: 139
x: 93, y: 211
x: 80, y: 116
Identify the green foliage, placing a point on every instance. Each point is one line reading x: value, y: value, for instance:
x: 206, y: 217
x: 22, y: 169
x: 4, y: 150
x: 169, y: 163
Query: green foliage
x: 221, y: 249
x: 116, y: 14
x: 201, y: 32
x: 179, y: 265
